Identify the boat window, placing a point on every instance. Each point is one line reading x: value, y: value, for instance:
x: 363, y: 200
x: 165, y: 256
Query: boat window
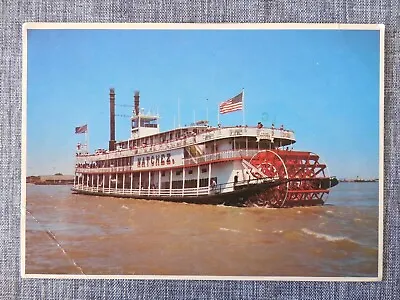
x: 192, y: 183
x: 203, y: 182
x: 152, y: 123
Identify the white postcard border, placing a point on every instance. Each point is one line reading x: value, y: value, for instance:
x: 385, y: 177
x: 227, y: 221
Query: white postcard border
x: 200, y: 26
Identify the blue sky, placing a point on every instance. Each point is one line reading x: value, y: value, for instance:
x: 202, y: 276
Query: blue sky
x: 323, y: 84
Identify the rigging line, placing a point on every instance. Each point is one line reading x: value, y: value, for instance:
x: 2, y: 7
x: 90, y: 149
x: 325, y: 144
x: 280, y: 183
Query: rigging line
x: 123, y: 105
x: 53, y: 237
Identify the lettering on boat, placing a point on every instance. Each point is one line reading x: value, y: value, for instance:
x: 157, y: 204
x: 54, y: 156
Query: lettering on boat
x: 264, y: 135
x: 234, y: 132
x: 209, y: 136
x: 154, y: 160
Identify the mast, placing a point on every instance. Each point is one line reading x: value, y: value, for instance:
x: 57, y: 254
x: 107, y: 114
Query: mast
x: 218, y: 123
x: 207, y: 111
x: 87, y: 139
x: 179, y: 115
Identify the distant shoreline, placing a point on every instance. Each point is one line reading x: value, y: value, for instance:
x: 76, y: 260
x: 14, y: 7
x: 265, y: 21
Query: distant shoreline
x: 51, y: 183
x: 359, y: 181
x: 57, y: 179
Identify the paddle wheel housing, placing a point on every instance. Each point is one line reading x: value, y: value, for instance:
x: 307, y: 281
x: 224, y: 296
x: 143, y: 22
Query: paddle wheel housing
x: 305, y: 181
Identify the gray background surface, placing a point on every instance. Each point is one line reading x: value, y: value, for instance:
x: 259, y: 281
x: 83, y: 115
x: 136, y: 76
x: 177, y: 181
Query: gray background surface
x: 15, y: 13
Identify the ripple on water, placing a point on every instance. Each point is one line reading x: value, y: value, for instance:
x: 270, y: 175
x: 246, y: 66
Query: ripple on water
x: 227, y: 229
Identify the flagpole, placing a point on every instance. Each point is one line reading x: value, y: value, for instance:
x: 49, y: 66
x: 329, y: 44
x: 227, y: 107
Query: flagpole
x: 218, y: 115
x: 87, y: 138
x: 179, y: 115
x: 207, y: 112
x: 244, y: 124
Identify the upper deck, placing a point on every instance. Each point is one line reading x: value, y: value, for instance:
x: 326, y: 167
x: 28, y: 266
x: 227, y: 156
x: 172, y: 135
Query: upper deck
x: 146, y: 138
x: 180, y: 138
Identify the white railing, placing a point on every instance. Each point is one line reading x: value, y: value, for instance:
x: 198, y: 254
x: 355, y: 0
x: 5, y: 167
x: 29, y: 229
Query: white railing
x: 186, y: 192
x: 222, y: 133
x: 220, y: 155
x: 201, y: 191
x: 167, y: 146
x: 107, y: 170
x: 231, y: 154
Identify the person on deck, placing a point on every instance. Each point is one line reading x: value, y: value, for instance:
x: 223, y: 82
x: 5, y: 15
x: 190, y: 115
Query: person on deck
x: 235, y: 179
x: 213, y: 184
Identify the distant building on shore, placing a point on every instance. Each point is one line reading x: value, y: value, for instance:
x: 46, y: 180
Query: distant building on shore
x: 57, y: 179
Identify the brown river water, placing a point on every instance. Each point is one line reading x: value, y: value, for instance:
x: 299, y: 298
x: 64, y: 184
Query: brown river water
x: 68, y: 233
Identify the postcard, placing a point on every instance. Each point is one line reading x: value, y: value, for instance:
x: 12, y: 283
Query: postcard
x: 202, y: 151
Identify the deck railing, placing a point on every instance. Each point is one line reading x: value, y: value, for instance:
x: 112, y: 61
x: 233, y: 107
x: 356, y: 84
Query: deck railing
x: 208, y: 158
x: 224, y: 155
x: 226, y: 132
x: 147, y: 192
x: 180, y: 192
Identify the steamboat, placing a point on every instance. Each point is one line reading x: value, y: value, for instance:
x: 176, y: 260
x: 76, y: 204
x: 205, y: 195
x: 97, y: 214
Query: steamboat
x: 203, y: 164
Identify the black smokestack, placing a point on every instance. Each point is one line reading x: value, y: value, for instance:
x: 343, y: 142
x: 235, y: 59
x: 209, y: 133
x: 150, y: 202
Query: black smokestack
x: 136, y: 102
x: 111, y: 144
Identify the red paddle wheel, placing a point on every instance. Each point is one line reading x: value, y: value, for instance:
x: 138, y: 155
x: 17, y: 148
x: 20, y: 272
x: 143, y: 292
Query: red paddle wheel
x: 304, y: 180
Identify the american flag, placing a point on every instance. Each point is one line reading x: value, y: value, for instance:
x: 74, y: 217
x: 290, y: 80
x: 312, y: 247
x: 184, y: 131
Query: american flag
x: 233, y: 104
x: 81, y: 129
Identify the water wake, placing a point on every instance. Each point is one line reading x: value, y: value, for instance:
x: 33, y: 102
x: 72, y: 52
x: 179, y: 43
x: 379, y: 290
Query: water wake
x: 227, y: 229
x: 327, y: 237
